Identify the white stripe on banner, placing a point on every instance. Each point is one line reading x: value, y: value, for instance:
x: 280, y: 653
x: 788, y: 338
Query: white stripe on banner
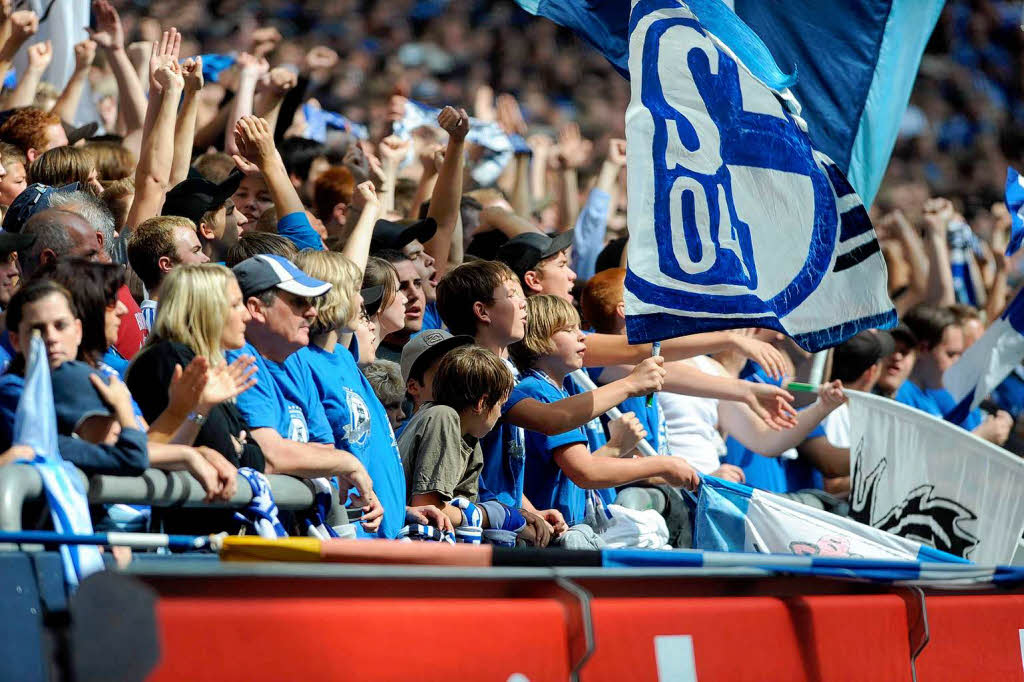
x: 1020, y: 634
x: 676, y: 662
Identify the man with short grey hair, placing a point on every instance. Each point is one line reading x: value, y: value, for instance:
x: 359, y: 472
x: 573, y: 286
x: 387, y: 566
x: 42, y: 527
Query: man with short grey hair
x: 57, y: 233
x: 97, y: 214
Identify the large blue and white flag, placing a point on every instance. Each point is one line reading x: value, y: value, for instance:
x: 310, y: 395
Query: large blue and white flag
x: 736, y: 518
x: 499, y: 147
x: 736, y: 220
x: 35, y: 425
x: 988, y: 361
x: 1015, y: 205
x: 855, y: 62
x: 927, y: 480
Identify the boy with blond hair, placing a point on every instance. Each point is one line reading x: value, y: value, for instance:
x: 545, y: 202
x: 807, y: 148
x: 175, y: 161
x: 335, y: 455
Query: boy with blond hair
x: 561, y: 468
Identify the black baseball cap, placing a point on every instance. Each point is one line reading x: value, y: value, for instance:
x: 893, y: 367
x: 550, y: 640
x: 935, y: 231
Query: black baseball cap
x: 391, y: 235
x: 193, y: 197
x: 855, y: 355
x: 372, y: 297
x: 426, y: 347
x: 32, y: 200
x: 524, y: 251
x: 15, y: 241
x: 485, y: 245
x: 80, y: 133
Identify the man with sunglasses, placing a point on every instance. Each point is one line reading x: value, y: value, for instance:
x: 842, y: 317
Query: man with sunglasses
x: 283, y: 410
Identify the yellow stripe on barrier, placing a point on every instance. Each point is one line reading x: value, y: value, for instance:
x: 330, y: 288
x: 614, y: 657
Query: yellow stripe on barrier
x: 252, y: 548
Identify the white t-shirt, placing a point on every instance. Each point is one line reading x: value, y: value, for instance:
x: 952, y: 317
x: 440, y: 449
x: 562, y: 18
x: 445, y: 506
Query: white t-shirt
x: 837, y: 427
x: 691, y: 424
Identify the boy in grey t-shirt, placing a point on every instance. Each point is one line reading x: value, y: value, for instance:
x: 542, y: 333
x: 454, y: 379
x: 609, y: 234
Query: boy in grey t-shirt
x: 439, y: 447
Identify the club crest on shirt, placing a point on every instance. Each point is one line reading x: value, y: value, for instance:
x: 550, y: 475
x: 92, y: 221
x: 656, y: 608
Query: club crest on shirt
x: 357, y: 431
x: 297, y: 428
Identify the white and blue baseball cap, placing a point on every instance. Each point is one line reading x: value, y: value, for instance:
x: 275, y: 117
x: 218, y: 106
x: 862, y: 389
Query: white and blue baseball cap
x: 269, y: 271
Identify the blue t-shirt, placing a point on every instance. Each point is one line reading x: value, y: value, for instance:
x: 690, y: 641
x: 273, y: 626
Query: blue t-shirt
x: 284, y: 399
x: 115, y: 361
x: 504, y: 453
x: 911, y: 394
x: 546, y: 484
x: 431, y: 318
x: 651, y: 418
x: 937, y: 402
x: 594, y: 431
x: 947, y: 403
x: 360, y: 426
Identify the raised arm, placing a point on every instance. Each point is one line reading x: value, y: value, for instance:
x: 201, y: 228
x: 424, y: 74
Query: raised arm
x: 937, y: 214
x: 39, y: 57
x: 444, y: 203
x: 738, y: 421
x: 509, y: 224
x: 67, y: 104
x: 592, y: 223
x: 392, y: 150
x: 17, y: 29
x: 254, y: 139
x: 109, y: 35
x: 251, y: 69
x: 577, y: 410
x: 153, y: 173
x: 357, y: 246
x: 604, y: 350
x: 572, y: 153
x: 185, y: 128
x: 271, y: 93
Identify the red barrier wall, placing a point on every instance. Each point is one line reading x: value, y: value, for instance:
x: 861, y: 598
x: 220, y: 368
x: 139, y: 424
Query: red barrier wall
x: 223, y: 629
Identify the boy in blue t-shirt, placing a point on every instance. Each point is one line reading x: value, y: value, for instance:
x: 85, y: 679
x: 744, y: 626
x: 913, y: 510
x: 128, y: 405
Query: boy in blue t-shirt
x: 560, y: 468
x: 484, y: 299
x: 283, y: 409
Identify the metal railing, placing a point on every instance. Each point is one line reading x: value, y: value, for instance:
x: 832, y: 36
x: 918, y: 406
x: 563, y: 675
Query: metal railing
x: 20, y: 483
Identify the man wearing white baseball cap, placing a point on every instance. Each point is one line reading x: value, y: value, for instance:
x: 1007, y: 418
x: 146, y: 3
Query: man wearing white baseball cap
x: 283, y: 410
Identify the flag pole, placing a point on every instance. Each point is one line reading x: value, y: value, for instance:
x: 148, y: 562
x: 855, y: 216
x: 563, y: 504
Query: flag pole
x: 113, y: 539
x: 583, y: 379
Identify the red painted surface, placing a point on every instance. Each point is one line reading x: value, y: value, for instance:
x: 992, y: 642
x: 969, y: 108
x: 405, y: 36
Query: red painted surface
x: 283, y: 639
x: 973, y: 637
x: 756, y: 638
x: 379, y: 629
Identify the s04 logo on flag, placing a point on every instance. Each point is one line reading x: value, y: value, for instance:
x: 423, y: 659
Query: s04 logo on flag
x: 735, y: 219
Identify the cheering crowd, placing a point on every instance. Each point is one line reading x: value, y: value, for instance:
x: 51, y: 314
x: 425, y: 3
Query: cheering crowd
x: 254, y: 261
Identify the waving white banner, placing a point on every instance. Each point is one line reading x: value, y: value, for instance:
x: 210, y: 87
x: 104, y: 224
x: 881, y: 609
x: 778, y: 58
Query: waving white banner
x: 927, y: 480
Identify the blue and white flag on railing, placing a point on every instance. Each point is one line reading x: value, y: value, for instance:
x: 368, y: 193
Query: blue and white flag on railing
x: 988, y: 361
x: 735, y: 518
x: 736, y: 220
x: 35, y: 425
x: 499, y: 147
x: 1015, y: 205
